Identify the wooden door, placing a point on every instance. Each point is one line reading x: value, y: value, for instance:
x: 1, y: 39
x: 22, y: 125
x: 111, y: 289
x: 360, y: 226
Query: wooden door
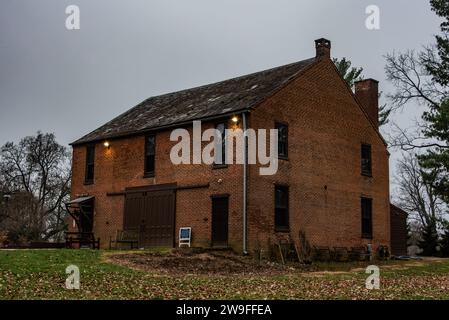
x: 153, y: 214
x: 86, y: 216
x: 220, y: 208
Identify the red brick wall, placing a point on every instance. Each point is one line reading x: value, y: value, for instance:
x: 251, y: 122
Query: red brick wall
x: 326, y: 130
x: 122, y: 166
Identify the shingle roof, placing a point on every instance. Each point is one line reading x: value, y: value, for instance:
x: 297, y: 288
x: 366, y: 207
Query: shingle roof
x: 221, y: 98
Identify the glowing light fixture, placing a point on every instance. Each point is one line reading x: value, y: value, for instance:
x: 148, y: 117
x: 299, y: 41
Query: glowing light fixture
x: 235, y: 119
x: 106, y: 144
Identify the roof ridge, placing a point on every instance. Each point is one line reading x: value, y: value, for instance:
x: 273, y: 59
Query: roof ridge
x: 229, y: 79
x: 212, y: 99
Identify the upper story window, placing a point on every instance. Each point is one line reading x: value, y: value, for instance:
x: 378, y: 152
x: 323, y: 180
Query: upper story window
x: 367, y: 218
x: 150, y: 153
x: 366, y: 160
x: 281, y: 217
x: 282, y: 139
x: 90, y: 164
x: 220, y: 159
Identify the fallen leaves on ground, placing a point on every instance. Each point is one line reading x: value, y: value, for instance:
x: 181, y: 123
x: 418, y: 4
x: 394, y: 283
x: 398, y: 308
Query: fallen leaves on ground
x: 39, y: 274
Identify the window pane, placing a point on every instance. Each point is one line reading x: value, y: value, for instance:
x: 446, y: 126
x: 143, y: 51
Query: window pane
x: 282, y: 139
x: 90, y: 163
x: 150, y: 145
x: 281, y: 198
x: 281, y: 218
x: 149, y: 164
x: 150, y: 151
x: 367, y: 222
x: 90, y: 172
x: 221, y: 128
x: 366, y: 159
x: 90, y: 154
x: 220, y: 144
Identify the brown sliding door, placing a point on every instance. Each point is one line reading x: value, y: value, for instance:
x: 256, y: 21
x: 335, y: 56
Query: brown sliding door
x: 153, y: 214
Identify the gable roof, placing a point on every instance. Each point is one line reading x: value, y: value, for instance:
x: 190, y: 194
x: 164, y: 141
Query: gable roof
x: 213, y: 100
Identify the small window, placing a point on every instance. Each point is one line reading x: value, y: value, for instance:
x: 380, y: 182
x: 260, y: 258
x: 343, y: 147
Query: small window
x: 220, y: 159
x: 90, y: 164
x: 281, y: 208
x: 282, y: 139
x: 366, y: 160
x: 367, y: 218
x: 150, y: 152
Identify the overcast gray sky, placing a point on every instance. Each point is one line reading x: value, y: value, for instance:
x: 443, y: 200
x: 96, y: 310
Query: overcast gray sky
x: 71, y: 82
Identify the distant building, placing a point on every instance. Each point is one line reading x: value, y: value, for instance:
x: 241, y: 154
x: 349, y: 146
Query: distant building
x: 398, y: 231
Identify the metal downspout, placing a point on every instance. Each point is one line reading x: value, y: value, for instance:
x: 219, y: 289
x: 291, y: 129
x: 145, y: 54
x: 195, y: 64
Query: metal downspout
x: 245, y: 184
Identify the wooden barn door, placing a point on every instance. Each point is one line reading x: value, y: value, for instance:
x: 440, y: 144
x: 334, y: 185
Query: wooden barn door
x: 153, y: 213
x: 158, y: 218
x: 220, y: 208
x: 133, y: 209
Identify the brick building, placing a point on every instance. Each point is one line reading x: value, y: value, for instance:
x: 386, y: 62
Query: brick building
x: 398, y: 225
x: 332, y: 182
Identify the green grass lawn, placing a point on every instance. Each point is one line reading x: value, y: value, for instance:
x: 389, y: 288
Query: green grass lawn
x: 40, y: 274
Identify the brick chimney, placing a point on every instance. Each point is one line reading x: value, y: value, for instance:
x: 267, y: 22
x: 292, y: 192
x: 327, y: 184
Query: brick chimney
x: 323, y: 48
x: 367, y: 92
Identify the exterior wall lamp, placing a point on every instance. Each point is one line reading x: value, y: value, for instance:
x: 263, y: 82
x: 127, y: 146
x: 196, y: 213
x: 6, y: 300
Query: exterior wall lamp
x: 106, y: 144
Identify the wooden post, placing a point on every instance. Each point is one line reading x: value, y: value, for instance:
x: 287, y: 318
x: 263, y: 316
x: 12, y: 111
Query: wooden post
x: 280, y: 252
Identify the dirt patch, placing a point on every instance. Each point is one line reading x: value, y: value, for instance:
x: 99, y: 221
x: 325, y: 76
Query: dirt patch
x: 183, y: 262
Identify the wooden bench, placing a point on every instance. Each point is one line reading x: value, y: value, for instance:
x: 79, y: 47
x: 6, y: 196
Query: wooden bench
x: 130, y: 237
x: 340, y: 254
x: 359, y: 254
x: 321, y: 253
x: 82, y: 239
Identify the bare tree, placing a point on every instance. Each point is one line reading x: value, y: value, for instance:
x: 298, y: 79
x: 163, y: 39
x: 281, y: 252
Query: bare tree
x: 409, y: 75
x: 424, y: 78
x: 413, y: 138
x: 416, y: 193
x: 408, y: 72
x: 37, y: 169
